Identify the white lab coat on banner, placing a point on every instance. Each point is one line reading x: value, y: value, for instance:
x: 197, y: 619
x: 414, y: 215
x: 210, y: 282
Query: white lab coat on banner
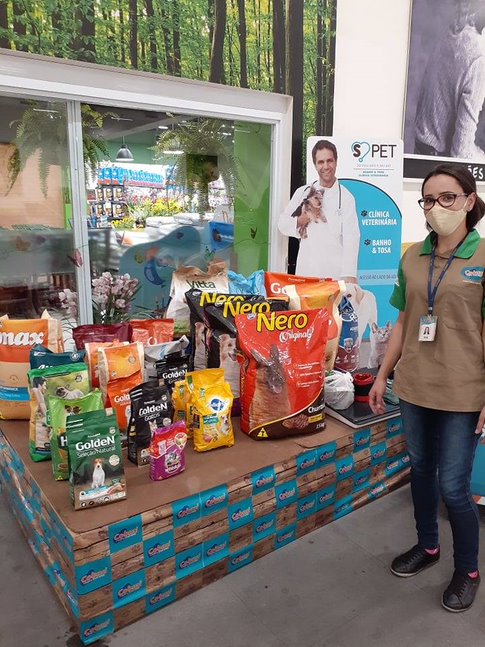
x: 331, y: 248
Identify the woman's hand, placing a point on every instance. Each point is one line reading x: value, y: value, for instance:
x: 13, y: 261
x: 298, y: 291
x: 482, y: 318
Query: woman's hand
x: 480, y: 430
x: 376, y: 401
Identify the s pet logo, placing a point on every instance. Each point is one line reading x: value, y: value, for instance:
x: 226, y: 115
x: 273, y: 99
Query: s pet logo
x: 360, y: 150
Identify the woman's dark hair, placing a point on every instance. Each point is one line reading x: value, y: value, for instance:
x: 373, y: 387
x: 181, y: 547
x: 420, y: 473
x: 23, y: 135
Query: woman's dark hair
x: 467, y: 182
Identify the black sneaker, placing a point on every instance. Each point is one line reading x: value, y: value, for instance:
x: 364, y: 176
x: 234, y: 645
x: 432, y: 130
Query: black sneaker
x: 413, y: 562
x: 460, y: 594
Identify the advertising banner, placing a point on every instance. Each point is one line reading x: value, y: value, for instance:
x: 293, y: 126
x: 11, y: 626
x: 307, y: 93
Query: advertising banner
x: 348, y: 220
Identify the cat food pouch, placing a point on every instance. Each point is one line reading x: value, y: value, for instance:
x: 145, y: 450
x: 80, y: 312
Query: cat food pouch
x: 153, y: 354
x: 324, y: 294
x: 167, y: 457
x: 69, y: 382
x: 120, y: 370
x: 152, y: 332
x: 179, y: 401
x: 172, y: 369
x: 92, y: 357
x: 101, y: 333
x: 17, y: 338
x: 42, y: 357
x: 151, y: 409
x: 219, y: 317
x: 96, y: 466
x: 283, y: 374
x: 211, y: 404
x: 196, y: 380
x: 59, y: 411
x: 349, y: 345
x: 188, y: 278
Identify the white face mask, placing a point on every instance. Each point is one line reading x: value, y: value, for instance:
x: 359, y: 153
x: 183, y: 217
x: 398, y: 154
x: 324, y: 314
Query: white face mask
x: 445, y: 221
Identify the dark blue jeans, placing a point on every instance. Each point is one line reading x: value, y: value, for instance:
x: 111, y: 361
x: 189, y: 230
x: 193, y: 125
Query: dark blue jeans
x: 441, y: 447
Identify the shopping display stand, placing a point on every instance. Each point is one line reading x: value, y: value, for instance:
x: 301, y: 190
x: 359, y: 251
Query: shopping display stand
x: 114, y: 564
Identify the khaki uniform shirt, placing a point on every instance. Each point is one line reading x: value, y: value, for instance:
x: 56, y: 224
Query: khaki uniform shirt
x: 448, y: 373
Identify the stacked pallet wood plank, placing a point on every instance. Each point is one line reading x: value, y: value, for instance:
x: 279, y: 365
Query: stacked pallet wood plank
x: 113, y: 565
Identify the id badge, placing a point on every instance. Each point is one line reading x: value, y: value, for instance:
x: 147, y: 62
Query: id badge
x: 427, y: 328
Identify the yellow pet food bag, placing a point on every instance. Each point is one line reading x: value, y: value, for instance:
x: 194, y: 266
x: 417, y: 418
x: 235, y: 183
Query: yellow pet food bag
x: 195, y: 380
x: 211, y: 400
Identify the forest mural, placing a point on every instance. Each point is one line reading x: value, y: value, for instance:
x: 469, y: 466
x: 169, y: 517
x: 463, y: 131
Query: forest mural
x: 285, y: 46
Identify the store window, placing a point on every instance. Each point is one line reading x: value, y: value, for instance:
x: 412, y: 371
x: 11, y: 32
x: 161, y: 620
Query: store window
x: 171, y: 190
x: 37, y: 258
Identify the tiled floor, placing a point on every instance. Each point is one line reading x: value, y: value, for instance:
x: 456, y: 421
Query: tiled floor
x: 331, y: 588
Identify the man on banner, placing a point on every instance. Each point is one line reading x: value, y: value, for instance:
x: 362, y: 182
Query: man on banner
x: 323, y: 216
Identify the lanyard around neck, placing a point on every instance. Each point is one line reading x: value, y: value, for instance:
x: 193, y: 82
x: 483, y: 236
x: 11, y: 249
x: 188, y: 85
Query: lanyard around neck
x: 433, y: 290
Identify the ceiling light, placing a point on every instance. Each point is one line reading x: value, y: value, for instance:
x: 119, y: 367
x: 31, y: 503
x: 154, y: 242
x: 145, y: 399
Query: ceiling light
x: 124, y: 154
x: 173, y: 152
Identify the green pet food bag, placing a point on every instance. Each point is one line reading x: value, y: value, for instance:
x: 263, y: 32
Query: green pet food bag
x: 59, y: 411
x: 96, y: 466
x: 70, y: 381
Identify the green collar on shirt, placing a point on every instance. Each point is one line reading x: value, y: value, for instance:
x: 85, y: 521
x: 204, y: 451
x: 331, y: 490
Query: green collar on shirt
x: 465, y: 250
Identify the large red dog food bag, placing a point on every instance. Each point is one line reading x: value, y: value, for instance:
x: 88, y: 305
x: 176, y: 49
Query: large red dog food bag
x: 17, y: 338
x: 283, y: 373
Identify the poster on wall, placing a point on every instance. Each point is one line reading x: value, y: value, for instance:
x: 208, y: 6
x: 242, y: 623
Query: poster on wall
x: 348, y: 220
x: 445, y: 115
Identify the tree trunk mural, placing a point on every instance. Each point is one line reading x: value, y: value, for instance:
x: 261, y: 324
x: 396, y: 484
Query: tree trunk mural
x: 167, y: 41
x: 177, y: 58
x: 243, y: 62
x: 4, y: 41
x: 279, y: 47
x: 217, y: 59
x: 19, y: 25
x: 294, y: 83
x: 153, y: 36
x: 319, y: 125
x: 133, y: 12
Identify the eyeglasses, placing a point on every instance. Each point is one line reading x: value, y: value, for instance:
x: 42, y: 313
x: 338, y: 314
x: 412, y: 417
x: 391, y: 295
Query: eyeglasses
x: 445, y: 200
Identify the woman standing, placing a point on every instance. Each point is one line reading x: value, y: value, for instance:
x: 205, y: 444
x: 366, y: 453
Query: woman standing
x: 438, y: 341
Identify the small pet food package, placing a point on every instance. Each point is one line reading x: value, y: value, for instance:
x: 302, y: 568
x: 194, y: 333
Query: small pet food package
x: 42, y: 357
x: 151, y: 409
x: 179, y: 401
x: 68, y: 382
x: 190, y: 278
x: 152, y: 332
x: 95, y: 460
x: 211, y: 403
x: 17, y: 338
x: 167, y: 456
x: 194, y: 380
x: 154, y: 354
x: 92, y: 357
x: 120, y: 370
x: 101, y: 333
x: 59, y: 411
x: 348, y: 353
x: 221, y: 335
x: 282, y: 378
x: 322, y: 294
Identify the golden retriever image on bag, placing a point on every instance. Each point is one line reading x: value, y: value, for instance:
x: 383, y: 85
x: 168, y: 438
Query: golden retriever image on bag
x: 283, y: 374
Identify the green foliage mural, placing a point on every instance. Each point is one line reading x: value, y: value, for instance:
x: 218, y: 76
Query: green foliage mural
x: 285, y: 46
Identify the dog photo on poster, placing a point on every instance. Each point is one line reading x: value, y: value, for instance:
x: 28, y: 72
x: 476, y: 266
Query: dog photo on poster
x: 445, y: 93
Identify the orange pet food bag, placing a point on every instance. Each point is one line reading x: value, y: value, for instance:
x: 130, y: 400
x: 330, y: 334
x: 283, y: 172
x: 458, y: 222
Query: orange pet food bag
x: 283, y: 374
x: 322, y: 294
x: 275, y: 282
x: 153, y: 331
x: 17, y: 338
x: 120, y: 370
x: 92, y: 357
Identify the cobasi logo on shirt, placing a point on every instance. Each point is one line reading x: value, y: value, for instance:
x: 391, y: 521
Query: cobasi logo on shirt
x: 472, y: 274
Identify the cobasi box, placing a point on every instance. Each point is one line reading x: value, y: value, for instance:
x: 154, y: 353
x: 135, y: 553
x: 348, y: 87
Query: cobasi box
x: 96, y: 468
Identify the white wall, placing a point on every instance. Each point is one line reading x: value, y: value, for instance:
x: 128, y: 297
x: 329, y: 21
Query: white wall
x: 370, y: 82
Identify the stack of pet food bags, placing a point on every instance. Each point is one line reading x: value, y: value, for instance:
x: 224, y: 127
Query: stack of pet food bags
x: 70, y: 426
x: 285, y: 356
